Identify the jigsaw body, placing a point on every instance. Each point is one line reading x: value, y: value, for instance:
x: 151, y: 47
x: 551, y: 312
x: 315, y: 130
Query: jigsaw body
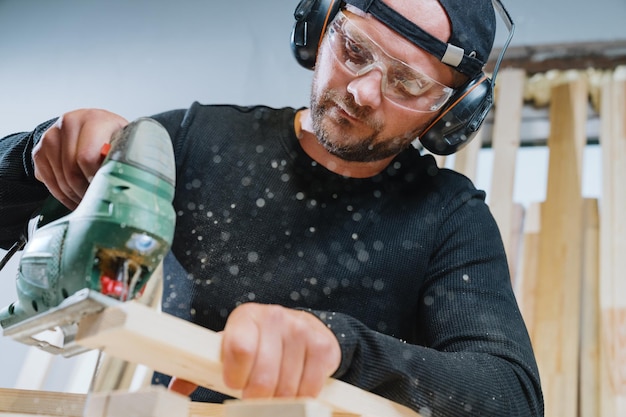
x: 103, y: 252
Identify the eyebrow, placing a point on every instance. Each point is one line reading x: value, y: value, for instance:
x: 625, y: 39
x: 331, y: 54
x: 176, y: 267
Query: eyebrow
x: 359, y: 35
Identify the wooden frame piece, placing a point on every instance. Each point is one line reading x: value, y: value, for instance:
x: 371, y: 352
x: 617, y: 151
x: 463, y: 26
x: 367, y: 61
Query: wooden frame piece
x: 41, y: 403
x: 156, y: 401
x: 589, y: 391
x: 173, y: 346
x: 19, y: 402
x: 613, y: 245
x: 506, y: 138
x: 556, y: 327
x: 276, y: 408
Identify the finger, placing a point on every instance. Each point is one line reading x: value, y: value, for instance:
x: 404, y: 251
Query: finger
x: 239, y: 345
x: 322, y: 358
x: 80, y: 157
x: 50, y: 155
x: 293, y: 358
x: 90, y: 141
x: 45, y: 160
x: 264, y: 376
x: 62, y: 162
x: 182, y: 386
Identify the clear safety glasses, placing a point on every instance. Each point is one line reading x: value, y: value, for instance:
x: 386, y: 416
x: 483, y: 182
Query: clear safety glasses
x: 401, y: 84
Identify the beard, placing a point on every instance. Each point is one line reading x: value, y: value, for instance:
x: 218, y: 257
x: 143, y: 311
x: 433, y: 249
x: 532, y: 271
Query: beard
x: 369, y: 147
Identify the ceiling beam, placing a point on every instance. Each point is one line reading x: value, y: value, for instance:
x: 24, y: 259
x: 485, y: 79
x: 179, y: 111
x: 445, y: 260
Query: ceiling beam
x: 563, y: 56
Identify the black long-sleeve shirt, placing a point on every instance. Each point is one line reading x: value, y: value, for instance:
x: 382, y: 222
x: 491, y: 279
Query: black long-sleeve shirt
x: 407, y: 268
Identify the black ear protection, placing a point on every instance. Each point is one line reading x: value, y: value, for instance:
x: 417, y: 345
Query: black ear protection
x: 458, y: 121
x: 312, y: 18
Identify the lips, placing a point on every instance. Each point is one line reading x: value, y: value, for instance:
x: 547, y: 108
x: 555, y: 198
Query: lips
x: 347, y: 114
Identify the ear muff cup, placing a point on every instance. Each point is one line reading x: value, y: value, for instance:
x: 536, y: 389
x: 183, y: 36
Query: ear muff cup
x: 459, y: 121
x: 312, y: 18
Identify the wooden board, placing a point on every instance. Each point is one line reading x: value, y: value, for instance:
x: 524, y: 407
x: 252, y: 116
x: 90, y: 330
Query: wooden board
x: 526, y: 285
x: 589, y: 393
x: 613, y: 245
x: 276, y: 408
x: 18, y: 402
x: 556, y: 327
x: 45, y: 403
x: 506, y: 140
x: 466, y: 160
x: 167, y: 344
x: 154, y: 401
x: 117, y: 374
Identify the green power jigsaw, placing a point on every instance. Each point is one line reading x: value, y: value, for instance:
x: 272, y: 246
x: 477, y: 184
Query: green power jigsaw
x: 104, y: 252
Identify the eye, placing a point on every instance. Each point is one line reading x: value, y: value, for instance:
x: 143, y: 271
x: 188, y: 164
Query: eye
x: 408, y: 84
x: 355, y: 52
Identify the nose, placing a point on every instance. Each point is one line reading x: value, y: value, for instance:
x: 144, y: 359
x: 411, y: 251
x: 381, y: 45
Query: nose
x: 366, y: 87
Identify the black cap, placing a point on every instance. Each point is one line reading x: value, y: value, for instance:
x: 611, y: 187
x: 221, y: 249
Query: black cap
x: 473, y: 31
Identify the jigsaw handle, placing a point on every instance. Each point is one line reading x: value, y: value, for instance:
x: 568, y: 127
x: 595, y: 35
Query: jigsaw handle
x: 118, y: 234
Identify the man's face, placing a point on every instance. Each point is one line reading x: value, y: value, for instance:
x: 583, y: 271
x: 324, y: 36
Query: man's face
x: 351, y: 117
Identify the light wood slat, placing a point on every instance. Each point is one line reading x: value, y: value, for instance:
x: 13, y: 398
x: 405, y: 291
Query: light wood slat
x: 526, y: 286
x: 34, y: 402
x: 115, y: 373
x: 197, y: 409
x: 590, y: 317
x: 613, y: 245
x: 18, y: 402
x: 276, y: 408
x: 506, y: 141
x: 155, y: 401
x: 174, y: 346
x: 556, y: 326
x: 514, y: 256
x: 466, y: 160
x: 607, y: 390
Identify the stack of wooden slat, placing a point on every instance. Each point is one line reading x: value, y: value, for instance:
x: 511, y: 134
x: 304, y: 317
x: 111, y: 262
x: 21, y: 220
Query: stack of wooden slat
x: 568, y: 267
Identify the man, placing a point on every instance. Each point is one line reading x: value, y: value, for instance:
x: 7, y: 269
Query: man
x: 318, y: 240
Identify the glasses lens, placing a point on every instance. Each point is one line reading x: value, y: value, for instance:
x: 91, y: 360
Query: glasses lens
x: 402, y: 84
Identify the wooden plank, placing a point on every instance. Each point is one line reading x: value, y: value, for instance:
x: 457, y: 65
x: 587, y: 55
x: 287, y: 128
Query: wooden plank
x: 46, y: 403
x: 276, y: 408
x: 526, y: 285
x: 140, y: 334
x: 548, y: 57
x: 154, y: 401
x: 466, y: 160
x: 556, y: 326
x: 506, y: 140
x: 197, y: 409
x: 117, y: 374
x: 613, y: 245
x: 516, y: 235
x: 589, y: 394
x: 18, y: 402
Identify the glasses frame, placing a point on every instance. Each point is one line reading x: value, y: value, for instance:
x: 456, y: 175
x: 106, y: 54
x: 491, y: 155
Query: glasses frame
x: 378, y: 59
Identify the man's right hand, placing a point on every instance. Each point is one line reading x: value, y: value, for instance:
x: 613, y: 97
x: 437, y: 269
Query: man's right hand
x: 68, y: 153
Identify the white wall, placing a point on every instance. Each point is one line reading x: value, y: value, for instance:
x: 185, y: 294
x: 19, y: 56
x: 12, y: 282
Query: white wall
x: 141, y: 57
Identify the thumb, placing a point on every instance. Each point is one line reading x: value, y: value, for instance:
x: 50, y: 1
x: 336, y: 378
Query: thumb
x: 181, y: 386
